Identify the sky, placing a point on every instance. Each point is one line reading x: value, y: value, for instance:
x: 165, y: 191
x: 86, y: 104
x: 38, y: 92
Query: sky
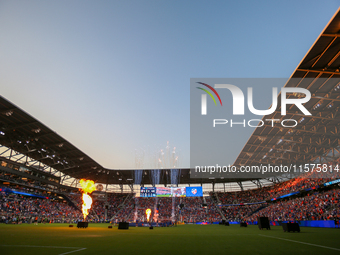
x: 113, y: 77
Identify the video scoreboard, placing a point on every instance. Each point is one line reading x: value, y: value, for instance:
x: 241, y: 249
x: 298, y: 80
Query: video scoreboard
x: 147, y: 192
x: 171, y: 192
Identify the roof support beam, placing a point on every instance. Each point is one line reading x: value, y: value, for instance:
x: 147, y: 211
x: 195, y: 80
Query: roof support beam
x: 304, y: 130
x: 318, y: 71
x: 331, y: 35
x: 312, y: 116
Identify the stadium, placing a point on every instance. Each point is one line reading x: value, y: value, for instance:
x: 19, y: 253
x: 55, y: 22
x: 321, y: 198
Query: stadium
x: 45, y: 179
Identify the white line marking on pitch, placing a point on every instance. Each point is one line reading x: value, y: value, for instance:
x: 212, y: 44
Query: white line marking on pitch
x: 331, y: 248
x: 35, y: 246
x: 72, y: 251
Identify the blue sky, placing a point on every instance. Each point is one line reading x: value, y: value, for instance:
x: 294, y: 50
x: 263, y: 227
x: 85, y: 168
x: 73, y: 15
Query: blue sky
x: 112, y: 77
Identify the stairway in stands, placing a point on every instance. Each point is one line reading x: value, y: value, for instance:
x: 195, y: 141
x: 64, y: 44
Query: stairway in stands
x: 257, y: 210
x: 70, y: 201
x: 216, y: 202
x: 121, y: 207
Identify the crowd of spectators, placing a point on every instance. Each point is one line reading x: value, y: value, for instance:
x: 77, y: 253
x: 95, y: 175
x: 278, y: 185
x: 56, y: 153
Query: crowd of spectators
x: 240, y: 212
x: 18, y: 208
x: 306, y: 181
x: 302, y: 182
x: 247, y: 196
x: 169, y: 208
x: 165, y: 207
x: 212, y: 210
x: 113, y: 202
x: 192, y: 210
x: 125, y: 211
x: 315, y: 206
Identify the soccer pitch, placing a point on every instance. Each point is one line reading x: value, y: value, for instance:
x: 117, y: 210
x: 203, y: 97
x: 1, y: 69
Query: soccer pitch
x: 59, y: 239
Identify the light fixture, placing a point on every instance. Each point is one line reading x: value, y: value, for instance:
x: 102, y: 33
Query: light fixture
x: 8, y: 113
x: 36, y: 130
x: 262, y: 138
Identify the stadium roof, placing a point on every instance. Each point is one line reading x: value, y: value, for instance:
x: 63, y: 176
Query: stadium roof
x: 23, y: 133
x: 316, y: 137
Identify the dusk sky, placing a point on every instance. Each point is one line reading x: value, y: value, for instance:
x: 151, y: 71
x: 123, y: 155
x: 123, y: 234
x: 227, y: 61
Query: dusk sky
x: 112, y: 77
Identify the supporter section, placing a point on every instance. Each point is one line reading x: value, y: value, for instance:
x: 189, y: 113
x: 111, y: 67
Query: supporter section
x: 24, y: 200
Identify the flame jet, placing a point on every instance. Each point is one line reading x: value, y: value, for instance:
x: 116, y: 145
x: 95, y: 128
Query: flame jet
x: 87, y: 187
x: 148, y: 213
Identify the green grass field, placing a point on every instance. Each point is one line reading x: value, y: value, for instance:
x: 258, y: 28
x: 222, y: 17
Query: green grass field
x: 59, y: 239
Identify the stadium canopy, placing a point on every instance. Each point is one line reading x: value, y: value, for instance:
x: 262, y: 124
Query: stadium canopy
x: 316, y: 138
x: 26, y: 137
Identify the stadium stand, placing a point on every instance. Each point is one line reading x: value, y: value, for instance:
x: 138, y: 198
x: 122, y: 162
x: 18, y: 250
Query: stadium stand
x: 314, y: 201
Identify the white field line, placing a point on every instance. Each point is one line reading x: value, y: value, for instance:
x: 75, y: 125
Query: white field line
x: 72, y: 251
x: 53, y: 247
x: 311, y: 244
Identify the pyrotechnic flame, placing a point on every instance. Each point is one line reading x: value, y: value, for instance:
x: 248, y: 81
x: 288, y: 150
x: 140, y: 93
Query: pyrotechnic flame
x: 87, y: 187
x: 87, y: 202
x: 148, y: 213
